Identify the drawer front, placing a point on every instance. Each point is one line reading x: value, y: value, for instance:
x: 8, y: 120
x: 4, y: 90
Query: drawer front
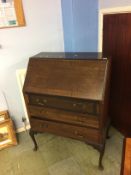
x: 64, y: 116
x: 81, y: 133
x: 70, y: 104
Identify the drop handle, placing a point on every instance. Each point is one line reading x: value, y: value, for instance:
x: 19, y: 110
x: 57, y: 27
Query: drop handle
x: 81, y: 136
x: 44, y: 125
x: 77, y: 104
x: 44, y: 101
x: 37, y: 100
x: 40, y: 103
x: 74, y: 104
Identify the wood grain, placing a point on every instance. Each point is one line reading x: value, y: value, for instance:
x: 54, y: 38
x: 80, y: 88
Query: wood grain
x: 11, y: 133
x: 117, y: 45
x: 19, y: 12
x: 4, y: 114
x: 126, y: 160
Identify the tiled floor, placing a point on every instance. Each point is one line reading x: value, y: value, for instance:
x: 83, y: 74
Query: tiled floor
x: 60, y: 156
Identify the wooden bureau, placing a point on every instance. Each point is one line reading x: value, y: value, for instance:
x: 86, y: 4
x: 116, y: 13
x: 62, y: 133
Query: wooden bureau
x: 67, y: 94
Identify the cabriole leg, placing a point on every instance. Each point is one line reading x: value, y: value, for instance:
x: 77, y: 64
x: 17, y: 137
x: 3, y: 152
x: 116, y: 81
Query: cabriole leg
x: 102, y: 149
x: 32, y: 135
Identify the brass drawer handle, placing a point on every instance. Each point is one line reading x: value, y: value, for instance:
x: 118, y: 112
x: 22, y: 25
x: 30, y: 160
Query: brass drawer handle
x: 44, y: 100
x: 76, y: 132
x: 74, y: 104
x: 81, y: 136
x: 44, y: 125
x: 40, y: 103
x: 37, y: 100
x: 77, y: 104
x: 44, y: 111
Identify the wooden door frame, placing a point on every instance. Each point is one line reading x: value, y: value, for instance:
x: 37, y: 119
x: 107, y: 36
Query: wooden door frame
x: 102, y: 12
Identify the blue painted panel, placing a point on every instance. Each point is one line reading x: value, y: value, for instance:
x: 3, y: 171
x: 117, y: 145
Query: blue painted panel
x: 85, y: 14
x: 80, y: 24
x: 67, y: 24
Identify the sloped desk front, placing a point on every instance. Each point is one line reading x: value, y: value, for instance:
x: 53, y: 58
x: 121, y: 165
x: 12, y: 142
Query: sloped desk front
x: 68, y: 97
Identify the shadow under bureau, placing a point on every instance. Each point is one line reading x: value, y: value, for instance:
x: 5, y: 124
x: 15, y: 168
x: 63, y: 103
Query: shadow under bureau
x: 67, y: 94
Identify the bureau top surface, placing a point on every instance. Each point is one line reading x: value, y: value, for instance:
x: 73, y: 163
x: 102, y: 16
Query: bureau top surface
x: 69, y: 55
x: 79, y: 78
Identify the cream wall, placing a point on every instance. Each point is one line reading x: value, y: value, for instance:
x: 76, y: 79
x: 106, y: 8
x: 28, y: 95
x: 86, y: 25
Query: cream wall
x: 43, y: 32
x: 113, y: 3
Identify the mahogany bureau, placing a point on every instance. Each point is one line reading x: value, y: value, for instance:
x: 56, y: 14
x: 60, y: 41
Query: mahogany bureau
x: 67, y: 94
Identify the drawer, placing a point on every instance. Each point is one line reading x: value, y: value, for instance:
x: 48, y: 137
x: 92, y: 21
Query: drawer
x: 64, y: 116
x: 72, y: 131
x: 71, y: 104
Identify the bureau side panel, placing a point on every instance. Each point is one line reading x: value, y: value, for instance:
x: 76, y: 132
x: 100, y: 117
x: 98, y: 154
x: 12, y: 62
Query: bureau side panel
x: 104, y: 104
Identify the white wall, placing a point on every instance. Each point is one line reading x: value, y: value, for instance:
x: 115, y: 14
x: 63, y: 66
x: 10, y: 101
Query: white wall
x: 43, y: 32
x: 113, y: 3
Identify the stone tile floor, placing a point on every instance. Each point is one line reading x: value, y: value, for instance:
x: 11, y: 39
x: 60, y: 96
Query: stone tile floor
x: 60, y: 156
